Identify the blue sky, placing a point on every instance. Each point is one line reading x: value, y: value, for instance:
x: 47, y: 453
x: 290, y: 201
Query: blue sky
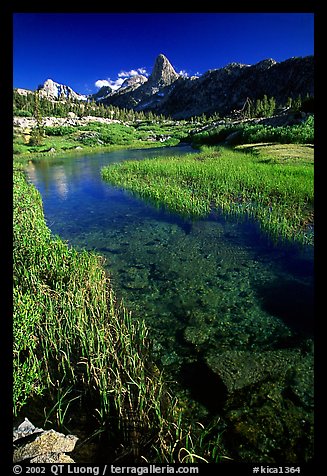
x: 86, y: 50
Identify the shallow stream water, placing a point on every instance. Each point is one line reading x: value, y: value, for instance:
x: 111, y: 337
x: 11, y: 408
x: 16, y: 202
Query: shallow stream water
x: 229, y: 311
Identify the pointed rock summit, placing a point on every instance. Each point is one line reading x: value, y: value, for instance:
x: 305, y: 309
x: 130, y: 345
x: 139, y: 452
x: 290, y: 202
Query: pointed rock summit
x: 139, y: 92
x: 52, y: 90
x: 163, y: 74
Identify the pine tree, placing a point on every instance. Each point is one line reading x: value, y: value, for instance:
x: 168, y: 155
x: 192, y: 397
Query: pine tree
x: 297, y: 103
x: 38, y: 131
x: 257, y: 108
x: 248, y: 108
x: 271, y: 106
x: 289, y: 102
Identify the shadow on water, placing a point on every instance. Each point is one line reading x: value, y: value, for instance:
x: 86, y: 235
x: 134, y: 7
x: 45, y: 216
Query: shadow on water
x: 291, y: 301
x: 205, y: 386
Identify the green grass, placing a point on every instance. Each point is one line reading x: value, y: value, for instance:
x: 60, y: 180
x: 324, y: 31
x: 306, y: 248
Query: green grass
x: 77, y: 350
x: 300, y: 154
x: 279, y: 195
x: 75, y: 347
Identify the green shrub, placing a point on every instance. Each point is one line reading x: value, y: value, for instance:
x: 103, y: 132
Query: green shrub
x: 59, y: 130
x: 296, y: 134
x: 22, y: 113
x: 36, y: 137
x: 18, y: 149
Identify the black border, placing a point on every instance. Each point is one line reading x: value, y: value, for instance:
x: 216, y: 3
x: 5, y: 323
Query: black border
x: 6, y: 130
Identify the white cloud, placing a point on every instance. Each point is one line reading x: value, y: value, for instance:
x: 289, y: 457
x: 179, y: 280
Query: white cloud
x: 109, y: 82
x: 132, y: 72
x: 184, y: 73
x: 121, y: 78
x: 143, y: 71
x: 127, y: 74
x: 116, y: 84
x: 101, y: 82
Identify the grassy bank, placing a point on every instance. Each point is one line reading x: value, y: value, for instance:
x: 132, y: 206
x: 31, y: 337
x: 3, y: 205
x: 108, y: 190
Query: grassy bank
x: 244, y: 133
x: 96, y: 137
x: 78, y: 352
x: 278, y: 194
x: 27, y: 157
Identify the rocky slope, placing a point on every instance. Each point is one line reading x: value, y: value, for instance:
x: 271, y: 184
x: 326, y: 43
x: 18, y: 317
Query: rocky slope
x: 219, y: 90
x: 226, y: 89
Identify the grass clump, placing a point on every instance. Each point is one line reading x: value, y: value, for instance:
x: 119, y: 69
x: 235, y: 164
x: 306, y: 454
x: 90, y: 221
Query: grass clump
x: 280, y: 196
x: 296, y: 154
x: 75, y: 348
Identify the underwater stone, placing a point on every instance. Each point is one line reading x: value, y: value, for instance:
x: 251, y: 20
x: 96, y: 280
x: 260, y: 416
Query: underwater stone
x: 269, y: 424
x: 196, y: 335
x: 240, y: 368
x: 269, y: 409
x: 136, y: 278
x: 301, y: 380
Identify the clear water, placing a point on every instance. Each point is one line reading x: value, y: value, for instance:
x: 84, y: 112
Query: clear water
x: 230, y: 312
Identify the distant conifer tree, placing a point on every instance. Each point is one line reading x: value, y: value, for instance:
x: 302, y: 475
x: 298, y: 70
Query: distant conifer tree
x: 38, y: 131
x: 297, y: 104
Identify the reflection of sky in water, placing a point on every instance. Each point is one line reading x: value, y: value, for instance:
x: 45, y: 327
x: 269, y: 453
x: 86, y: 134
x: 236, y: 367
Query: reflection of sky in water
x: 61, y: 182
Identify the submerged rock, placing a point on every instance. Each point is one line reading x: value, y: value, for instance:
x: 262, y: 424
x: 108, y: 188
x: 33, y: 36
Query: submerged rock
x: 269, y: 403
x: 239, y: 368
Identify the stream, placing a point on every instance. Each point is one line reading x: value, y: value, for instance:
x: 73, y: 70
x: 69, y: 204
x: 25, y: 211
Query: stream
x: 230, y: 312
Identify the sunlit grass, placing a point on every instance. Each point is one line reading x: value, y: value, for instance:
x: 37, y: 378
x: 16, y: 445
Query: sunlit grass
x: 75, y: 346
x: 279, y: 195
x: 301, y: 154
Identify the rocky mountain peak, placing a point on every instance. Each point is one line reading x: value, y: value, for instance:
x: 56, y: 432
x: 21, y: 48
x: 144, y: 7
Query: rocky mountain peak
x: 265, y: 64
x: 49, y: 88
x: 52, y: 90
x: 134, y: 81
x: 103, y: 92
x: 163, y: 74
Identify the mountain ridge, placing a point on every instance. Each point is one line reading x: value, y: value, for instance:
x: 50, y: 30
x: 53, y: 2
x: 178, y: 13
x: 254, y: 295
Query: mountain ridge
x: 219, y: 90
